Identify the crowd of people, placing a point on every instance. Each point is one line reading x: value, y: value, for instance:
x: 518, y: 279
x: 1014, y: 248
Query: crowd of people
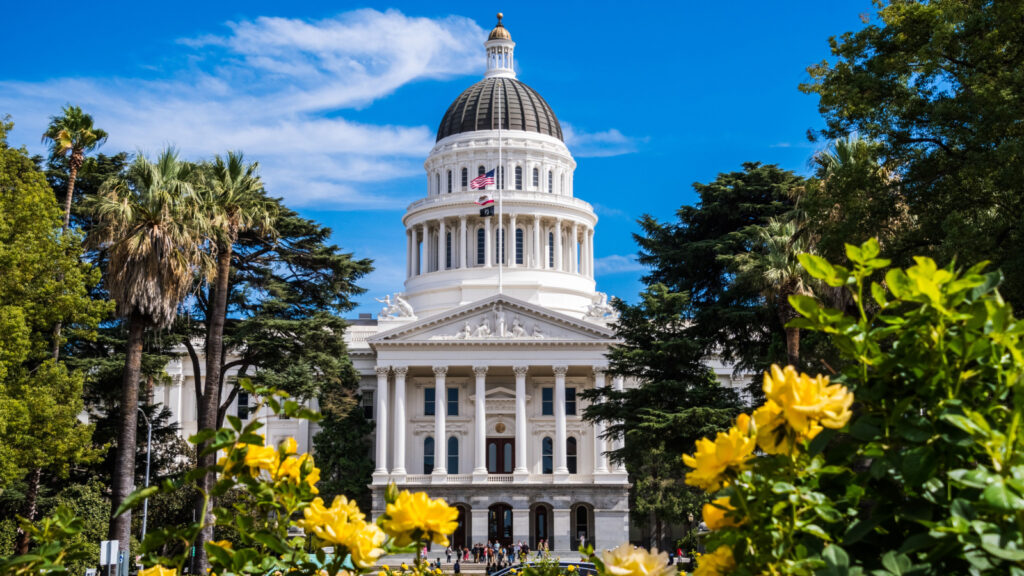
x: 494, y: 554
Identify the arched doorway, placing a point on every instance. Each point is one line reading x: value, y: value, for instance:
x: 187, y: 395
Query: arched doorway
x: 581, y: 529
x: 541, y: 519
x: 461, y: 536
x: 499, y: 523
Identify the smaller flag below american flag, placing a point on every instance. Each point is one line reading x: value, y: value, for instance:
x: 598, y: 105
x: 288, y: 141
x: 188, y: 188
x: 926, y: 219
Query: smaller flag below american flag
x: 482, y: 181
x: 485, y: 200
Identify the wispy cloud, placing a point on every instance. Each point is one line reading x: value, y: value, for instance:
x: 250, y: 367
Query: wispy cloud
x: 598, y: 144
x: 274, y: 87
x: 617, y: 264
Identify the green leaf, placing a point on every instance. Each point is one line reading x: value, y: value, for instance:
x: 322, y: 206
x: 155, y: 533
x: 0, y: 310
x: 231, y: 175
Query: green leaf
x: 817, y: 266
x: 806, y: 305
x: 135, y: 497
x: 1001, y: 497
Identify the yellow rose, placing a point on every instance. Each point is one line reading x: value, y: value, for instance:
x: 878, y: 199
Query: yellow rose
x: 720, y: 514
x: 570, y: 568
x: 628, y: 561
x: 718, y: 563
x: 410, y: 513
x: 290, y: 445
x: 712, y: 460
x: 365, y: 545
x: 773, y: 435
x: 343, y: 523
x: 807, y: 403
x: 260, y: 458
x: 158, y: 570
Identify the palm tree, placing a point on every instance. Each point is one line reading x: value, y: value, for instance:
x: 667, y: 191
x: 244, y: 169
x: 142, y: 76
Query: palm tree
x: 232, y: 200
x: 147, y: 223
x: 72, y: 132
x: 773, y: 267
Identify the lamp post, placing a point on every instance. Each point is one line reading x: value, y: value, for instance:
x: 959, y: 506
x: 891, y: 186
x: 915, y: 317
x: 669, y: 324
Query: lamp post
x: 149, y: 448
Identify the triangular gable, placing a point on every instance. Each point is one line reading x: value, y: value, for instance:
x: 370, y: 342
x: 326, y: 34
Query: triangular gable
x: 496, y: 319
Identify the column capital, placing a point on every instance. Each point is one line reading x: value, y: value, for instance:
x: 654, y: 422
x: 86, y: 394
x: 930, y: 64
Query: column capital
x: 560, y: 370
x: 440, y: 370
x: 400, y: 370
x: 479, y: 370
x: 600, y: 369
x: 383, y: 370
x: 462, y: 219
x: 520, y: 370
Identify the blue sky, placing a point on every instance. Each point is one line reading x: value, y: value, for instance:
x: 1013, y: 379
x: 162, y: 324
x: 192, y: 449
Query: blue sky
x: 340, y: 102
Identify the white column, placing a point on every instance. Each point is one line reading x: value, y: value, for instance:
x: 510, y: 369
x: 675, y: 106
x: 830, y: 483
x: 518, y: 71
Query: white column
x: 399, y: 436
x: 440, y: 412
x: 510, y: 241
x: 600, y: 460
x: 561, y: 466
x: 617, y: 385
x: 425, y: 265
x: 480, y: 430
x: 574, y: 261
x: 415, y: 251
x: 441, y: 245
x: 538, y: 246
x: 590, y: 252
x: 382, y: 423
x: 462, y: 242
x: 558, y: 245
x: 521, y: 442
x: 488, y: 244
x: 408, y: 254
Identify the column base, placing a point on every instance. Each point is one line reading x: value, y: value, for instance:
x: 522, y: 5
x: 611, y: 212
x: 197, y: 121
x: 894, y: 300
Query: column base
x: 561, y: 475
x: 380, y: 477
x: 398, y: 475
x: 439, y: 477
x: 480, y: 476
x: 616, y: 477
x: 520, y: 475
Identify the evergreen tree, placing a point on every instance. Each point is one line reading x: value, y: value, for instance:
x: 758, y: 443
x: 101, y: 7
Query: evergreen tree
x: 342, y: 449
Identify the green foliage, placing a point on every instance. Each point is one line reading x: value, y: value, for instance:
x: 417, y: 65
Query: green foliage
x: 342, y: 448
x: 59, y: 547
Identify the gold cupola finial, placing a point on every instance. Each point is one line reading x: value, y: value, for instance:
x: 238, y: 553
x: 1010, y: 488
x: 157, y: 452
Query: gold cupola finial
x: 500, y: 32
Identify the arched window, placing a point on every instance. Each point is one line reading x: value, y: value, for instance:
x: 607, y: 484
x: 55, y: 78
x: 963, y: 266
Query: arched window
x: 519, y: 245
x: 551, y: 179
x: 499, y: 246
x: 536, y: 178
x: 546, y: 456
x: 480, y: 170
x: 551, y: 249
x: 480, y: 246
x: 519, y: 177
x: 453, y: 455
x: 465, y: 178
x: 448, y: 250
x: 570, y: 454
x: 449, y: 181
x: 428, y: 454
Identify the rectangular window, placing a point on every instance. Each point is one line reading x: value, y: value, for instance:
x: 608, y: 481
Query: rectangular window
x: 480, y: 246
x: 547, y: 401
x: 570, y: 401
x: 428, y: 401
x: 519, y: 245
x: 243, y: 405
x: 465, y: 178
x: 367, y: 403
x: 501, y: 177
x: 519, y: 177
x: 453, y: 401
x: 448, y: 250
x: 536, y: 179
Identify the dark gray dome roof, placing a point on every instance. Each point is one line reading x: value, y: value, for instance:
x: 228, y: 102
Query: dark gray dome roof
x: 521, y: 107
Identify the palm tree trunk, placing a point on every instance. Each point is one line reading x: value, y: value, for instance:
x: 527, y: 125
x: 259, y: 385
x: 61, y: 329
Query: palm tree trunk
x: 29, y: 511
x: 793, y: 346
x: 124, y: 466
x: 211, y: 389
x: 77, y: 158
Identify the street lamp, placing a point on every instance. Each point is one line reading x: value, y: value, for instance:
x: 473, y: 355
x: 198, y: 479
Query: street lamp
x: 149, y: 447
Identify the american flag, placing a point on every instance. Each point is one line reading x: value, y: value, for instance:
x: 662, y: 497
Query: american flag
x: 482, y: 181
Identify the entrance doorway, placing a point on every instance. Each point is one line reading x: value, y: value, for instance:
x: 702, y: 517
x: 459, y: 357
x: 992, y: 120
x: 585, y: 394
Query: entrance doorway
x: 501, y: 455
x: 540, y: 526
x: 499, y: 523
x: 459, y: 538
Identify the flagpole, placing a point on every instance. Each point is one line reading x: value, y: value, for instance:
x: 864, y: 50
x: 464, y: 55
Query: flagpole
x: 503, y: 234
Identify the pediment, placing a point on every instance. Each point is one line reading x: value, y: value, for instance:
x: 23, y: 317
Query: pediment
x: 497, y: 319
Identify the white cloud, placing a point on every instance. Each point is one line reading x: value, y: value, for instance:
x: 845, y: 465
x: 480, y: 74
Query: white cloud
x: 266, y: 87
x: 598, y: 144
x: 616, y: 264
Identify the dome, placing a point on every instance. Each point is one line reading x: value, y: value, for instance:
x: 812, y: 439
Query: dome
x: 477, y: 109
x: 499, y: 32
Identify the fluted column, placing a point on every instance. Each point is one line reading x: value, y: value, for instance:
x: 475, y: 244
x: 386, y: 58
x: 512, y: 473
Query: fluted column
x: 399, y: 463
x: 488, y: 244
x: 440, y: 414
x: 617, y: 385
x: 408, y: 254
x: 480, y: 425
x: 558, y: 245
x: 574, y: 245
x: 415, y: 251
x: 561, y: 465
x: 538, y: 246
x: 463, y: 245
x: 510, y: 241
x: 590, y: 252
x: 521, y: 442
x: 382, y: 422
x: 600, y: 460
x: 442, y: 245
x: 425, y: 265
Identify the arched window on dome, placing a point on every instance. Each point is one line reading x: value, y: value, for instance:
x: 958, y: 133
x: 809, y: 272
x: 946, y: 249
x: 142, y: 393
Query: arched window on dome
x: 449, y: 181
x: 480, y: 170
x: 465, y: 178
x: 551, y: 249
x: 519, y: 177
x: 551, y: 180
x: 536, y: 178
x: 437, y: 183
x: 570, y: 454
x: 428, y: 454
x: 453, y: 455
x: 448, y: 250
x: 519, y: 245
x: 480, y: 246
x: 547, y: 456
